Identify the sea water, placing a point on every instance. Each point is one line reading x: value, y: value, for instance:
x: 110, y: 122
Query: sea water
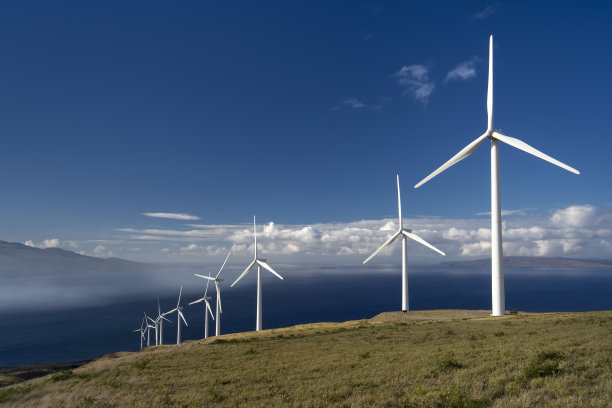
x: 74, y: 333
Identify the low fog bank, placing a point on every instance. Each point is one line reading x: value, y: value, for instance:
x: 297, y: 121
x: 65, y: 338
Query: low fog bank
x: 64, y: 291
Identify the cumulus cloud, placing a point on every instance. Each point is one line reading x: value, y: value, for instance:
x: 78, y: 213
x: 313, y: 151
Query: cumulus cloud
x: 415, y: 81
x: 173, y: 216
x: 578, y: 230
x: 101, y: 251
x: 463, y: 71
x: 47, y: 243
x: 575, y: 216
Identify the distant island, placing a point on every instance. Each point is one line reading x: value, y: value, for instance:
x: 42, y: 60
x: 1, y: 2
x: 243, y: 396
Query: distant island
x: 537, y: 262
x: 19, y: 260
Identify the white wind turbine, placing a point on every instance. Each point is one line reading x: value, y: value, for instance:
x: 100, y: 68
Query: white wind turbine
x: 149, y: 327
x: 405, y: 234
x: 141, y: 331
x: 205, y: 299
x: 497, y: 271
x: 179, y: 315
x: 218, y: 310
x: 159, y: 322
x: 260, y: 263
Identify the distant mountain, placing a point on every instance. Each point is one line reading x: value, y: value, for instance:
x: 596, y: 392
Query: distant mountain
x: 538, y: 262
x: 18, y: 260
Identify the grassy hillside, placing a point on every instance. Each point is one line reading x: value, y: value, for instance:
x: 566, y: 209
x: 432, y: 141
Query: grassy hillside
x: 415, y: 359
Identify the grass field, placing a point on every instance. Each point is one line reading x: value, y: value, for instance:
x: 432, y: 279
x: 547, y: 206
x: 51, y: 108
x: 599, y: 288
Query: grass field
x: 446, y: 358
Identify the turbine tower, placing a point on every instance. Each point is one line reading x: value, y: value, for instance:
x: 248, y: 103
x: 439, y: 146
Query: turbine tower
x: 206, y: 300
x: 260, y: 263
x: 497, y: 269
x: 179, y: 315
x: 405, y: 234
x: 218, y: 310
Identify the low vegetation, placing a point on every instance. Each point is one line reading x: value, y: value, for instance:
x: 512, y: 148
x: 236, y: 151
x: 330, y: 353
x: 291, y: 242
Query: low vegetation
x: 416, y: 359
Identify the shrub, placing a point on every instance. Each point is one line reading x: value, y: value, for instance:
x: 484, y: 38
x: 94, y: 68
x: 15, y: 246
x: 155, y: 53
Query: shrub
x: 61, y: 376
x: 141, y: 364
x: 8, y: 394
x: 456, y: 398
x: 449, y: 363
x: 544, y: 364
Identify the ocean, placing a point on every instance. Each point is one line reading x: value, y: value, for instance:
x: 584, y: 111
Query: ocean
x: 73, y: 333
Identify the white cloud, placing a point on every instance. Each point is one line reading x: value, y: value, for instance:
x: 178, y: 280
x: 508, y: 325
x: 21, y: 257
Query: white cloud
x: 352, y: 103
x: 578, y: 230
x: 486, y: 12
x: 101, y: 252
x: 575, y: 216
x: 504, y: 213
x: 463, y: 71
x: 47, y: 243
x: 173, y: 216
x: 415, y: 81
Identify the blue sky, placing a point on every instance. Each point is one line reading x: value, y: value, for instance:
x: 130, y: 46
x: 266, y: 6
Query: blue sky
x: 301, y: 113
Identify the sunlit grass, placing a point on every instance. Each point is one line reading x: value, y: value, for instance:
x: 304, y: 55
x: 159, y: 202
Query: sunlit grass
x: 415, y: 359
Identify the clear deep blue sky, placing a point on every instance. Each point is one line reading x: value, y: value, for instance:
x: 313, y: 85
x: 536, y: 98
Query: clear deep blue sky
x: 291, y: 110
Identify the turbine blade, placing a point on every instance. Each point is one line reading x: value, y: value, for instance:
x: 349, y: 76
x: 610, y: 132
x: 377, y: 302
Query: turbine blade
x: 387, y: 242
x: 226, y: 258
x: 526, y: 148
x: 182, y: 317
x: 158, y: 307
x: 218, y: 288
x: 197, y: 301
x: 179, y: 299
x: 255, y: 234
x: 210, y: 310
x: 490, y: 87
x: 268, y: 267
x: 422, y: 241
x: 166, y: 319
x: 248, y: 268
x: 206, y: 290
x: 205, y: 277
x: 399, y: 204
x: 465, y: 152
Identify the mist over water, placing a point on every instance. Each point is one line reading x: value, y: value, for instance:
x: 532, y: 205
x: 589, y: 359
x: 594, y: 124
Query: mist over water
x: 93, y: 315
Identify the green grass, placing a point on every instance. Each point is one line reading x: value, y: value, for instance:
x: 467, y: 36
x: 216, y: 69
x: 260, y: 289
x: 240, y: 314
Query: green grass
x: 415, y: 359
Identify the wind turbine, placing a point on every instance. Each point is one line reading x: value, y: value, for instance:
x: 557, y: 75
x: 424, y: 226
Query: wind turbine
x: 141, y: 331
x: 179, y: 315
x: 155, y: 328
x: 405, y: 234
x: 207, y: 306
x: 159, y: 321
x: 149, y: 327
x: 497, y: 269
x: 260, y: 263
x: 218, y: 310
